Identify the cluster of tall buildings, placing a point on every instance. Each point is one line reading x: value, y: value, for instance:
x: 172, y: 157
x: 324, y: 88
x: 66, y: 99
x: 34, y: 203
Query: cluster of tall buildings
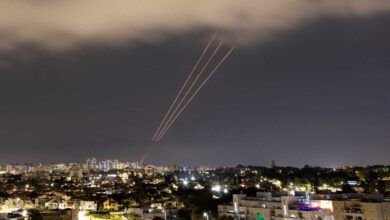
x: 92, y: 163
x: 109, y: 164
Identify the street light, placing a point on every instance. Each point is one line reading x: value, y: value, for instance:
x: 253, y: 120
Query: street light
x: 205, y: 214
x: 165, y: 214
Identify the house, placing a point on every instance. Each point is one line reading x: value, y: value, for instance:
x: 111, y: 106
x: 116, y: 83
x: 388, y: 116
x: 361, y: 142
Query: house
x: 53, y: 204
x: 67, y: 205
x: 111, y: 204
x: 17, y: 203
x: 88, y: 205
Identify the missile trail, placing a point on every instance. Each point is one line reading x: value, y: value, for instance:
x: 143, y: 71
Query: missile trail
x: 197, y: 90
x: 143, y: 158
x: 192, y: 85
x: 185, y: 82
x: 193, y: 95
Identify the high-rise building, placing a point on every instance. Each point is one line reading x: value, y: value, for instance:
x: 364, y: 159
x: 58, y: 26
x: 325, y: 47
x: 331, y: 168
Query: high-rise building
x: 102, y: 165
x: 272, y: 164
x: 115, y: 164
x: 9, y: 168
x: 91, y: 163
x: 149, y: 170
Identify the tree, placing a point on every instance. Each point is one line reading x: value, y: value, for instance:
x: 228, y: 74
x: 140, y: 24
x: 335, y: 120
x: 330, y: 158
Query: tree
x: 101, y: 207
x: 130, y: 217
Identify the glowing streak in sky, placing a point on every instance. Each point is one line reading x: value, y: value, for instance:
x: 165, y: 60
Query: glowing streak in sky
x: 143, y: 158
x: 191, y: 86
x: 162, y: 133
x: 185, y: 83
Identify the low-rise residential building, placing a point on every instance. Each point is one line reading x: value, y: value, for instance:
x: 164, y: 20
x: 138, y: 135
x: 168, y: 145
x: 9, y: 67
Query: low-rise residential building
x: 53, y: 204
x: 88, y: 205
x: 266, y: 207
x: 361, y: 209
x: 286, y: 206
x: 67, y: 205
x: 111, y: 204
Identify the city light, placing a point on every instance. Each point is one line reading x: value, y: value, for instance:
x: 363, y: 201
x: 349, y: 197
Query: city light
x: 216, y: 188
x: 205, y: 214
x: 103, y: 183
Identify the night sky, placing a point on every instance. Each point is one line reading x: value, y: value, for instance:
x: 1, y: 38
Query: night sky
x: 314, y: 94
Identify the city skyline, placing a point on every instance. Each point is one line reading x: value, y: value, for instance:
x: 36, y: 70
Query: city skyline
x: 115, y: 190
x: 313, y: 90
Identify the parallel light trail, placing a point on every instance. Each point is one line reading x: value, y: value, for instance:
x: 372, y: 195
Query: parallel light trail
x: 162, y: 133
x: 189, y: 89
x: 185, y: 82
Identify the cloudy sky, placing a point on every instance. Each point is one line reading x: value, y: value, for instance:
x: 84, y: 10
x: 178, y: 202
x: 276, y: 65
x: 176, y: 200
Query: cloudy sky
x: 308, y: 84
